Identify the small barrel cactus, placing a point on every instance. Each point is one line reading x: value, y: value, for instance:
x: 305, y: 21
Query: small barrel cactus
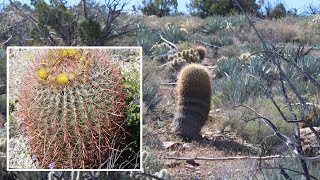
x: 72, y: 107
x: 193, y: 103
x: 193, y: 55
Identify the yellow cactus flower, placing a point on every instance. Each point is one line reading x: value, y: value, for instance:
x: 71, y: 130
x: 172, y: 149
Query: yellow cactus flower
x: 63, y: 78
x: 64, y: 52
x: 71, y: 52
x: 43, y: 73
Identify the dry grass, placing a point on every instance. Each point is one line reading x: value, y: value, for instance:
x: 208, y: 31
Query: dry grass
x: 277, y: 31
x: 190, y: 23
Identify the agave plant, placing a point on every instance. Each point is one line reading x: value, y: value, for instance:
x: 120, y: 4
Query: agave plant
x: 225, y: 38
x: 174, y: 34
x: 213, y: 24
x: 238, y: 87
x: 229, y: 67
x: 292, y: 167
x: 260, y: 68
x: 146, y: 38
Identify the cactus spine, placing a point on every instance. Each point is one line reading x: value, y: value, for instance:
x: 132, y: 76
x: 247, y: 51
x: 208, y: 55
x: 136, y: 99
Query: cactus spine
x: 193, y: 101
x: 72, y: 107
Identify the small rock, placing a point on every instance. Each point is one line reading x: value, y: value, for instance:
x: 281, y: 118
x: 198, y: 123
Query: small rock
x: 192, y: 162
x: 172, y: 164
x: 171, y: 145
x: 189, y: 166
x: 174, y: 154
x: 187, y: 146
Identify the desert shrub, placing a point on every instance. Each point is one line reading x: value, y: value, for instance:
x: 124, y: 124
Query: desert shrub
x: 225, y: 38
x: 191, y: 25
x: 230, y: 51
x: 205, y: 8
x: 151, y: 84
x: 237, y: 88
x: 238, y: 21
x: 254, y: 130
x: 277, y: 31
x: 261, y: 69
x: 160, y: 50
x: 308, y: 63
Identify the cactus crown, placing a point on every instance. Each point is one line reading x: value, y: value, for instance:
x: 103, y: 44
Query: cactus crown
x: 194, y: 80
x: 60, y: 67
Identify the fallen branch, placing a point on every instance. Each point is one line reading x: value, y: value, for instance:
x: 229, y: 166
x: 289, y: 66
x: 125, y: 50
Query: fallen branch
x: 169, y: 84
x: 7, y: 40
x: 214, y: 46
x: 170, y: 43
x: 165, y: 64
x: 226, y: 158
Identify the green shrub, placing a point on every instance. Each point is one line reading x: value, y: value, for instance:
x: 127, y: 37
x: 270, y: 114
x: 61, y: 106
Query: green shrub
x: 89, y: 31
x: 158, y: 7
x: 132, y: 83
x: 255, y: 131
x: 279, y: 11
x: 151, y: 84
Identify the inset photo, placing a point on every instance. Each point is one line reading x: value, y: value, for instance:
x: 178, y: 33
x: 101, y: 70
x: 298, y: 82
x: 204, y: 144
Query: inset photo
x: 74, y: 108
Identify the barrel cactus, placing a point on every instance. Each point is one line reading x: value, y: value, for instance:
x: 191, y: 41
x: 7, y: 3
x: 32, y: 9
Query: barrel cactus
x: 72, y: 107
x: 193, y: 102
